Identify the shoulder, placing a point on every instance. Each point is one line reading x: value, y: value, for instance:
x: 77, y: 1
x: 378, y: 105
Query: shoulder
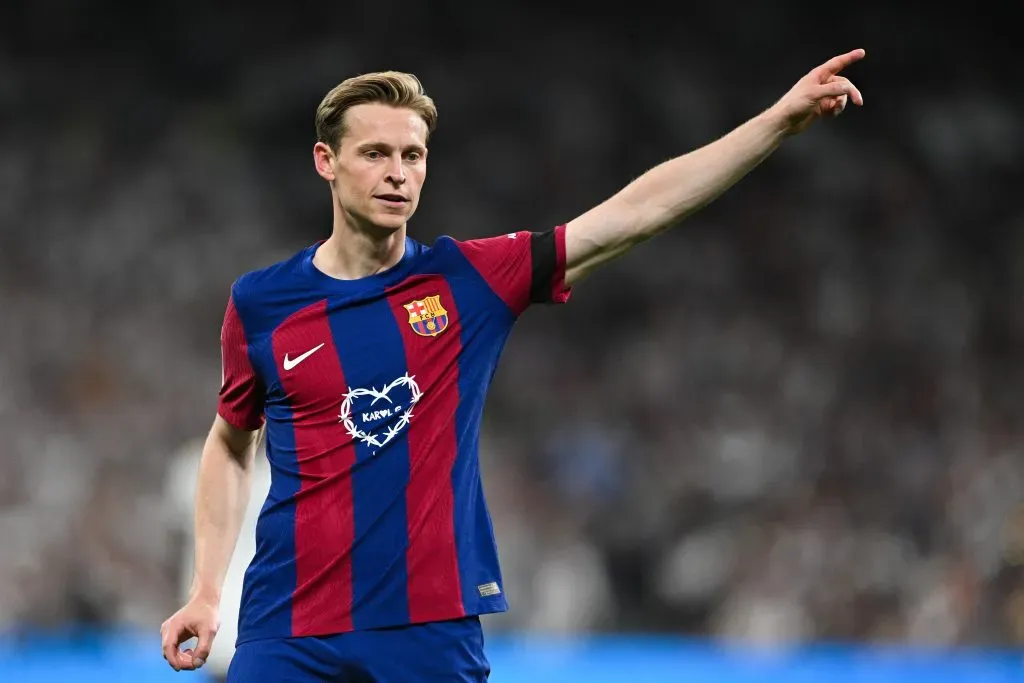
x: 255, y: 286
x: 264, y: 297
x: 443, y: 255
x: 448, y: 248
x: 446, y: 241
x: 441, y: 245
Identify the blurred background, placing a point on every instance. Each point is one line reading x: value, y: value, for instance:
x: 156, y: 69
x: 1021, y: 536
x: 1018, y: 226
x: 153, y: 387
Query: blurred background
x: 792, y: 425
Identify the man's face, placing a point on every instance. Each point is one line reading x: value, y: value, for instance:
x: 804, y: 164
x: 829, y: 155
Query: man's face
x: 380, y: 165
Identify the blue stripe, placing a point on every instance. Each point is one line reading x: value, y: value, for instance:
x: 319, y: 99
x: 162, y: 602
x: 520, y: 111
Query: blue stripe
x: 379, y: 477
x: 266, y: 605
x: 483, y: 336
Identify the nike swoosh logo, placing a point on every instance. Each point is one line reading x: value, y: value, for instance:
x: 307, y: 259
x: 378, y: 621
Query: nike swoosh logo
x: 290, y: 363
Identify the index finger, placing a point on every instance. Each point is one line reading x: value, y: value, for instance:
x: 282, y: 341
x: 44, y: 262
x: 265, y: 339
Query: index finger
x: 840, y: 62
x: 171, y: 651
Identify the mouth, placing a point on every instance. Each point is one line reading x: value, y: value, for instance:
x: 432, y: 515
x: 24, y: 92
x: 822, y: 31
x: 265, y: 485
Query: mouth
x: 392, y: 199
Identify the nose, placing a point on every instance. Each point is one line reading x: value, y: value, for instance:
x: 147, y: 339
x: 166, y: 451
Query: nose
x: 396, y: 172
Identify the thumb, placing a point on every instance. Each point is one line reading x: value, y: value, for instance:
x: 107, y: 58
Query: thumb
x: 202, y: 652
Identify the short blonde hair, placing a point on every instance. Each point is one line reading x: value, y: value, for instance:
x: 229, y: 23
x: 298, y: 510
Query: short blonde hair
x: 393, y: 88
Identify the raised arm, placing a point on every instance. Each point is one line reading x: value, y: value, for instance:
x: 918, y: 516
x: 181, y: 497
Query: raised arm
x: 673, y: 190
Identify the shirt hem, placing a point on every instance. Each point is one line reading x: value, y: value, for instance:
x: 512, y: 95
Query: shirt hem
x: 481, y: 609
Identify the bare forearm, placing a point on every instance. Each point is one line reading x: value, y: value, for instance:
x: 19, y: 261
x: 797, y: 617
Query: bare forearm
x: 668, y: 193
x: 673, y: 190
x: 222, y: 494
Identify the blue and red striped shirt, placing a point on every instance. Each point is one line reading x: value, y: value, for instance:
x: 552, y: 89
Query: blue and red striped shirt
x: 372, y: 391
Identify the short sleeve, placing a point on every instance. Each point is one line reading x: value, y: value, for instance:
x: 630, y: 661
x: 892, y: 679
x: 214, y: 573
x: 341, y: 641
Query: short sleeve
x: 241, y: 393
x: 522, y: 268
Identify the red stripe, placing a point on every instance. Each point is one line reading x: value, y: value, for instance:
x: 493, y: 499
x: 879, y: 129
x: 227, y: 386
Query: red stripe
x: 241, y: 396
x: 324, y: 521
x: 432, y: 557
x: 504, y: 264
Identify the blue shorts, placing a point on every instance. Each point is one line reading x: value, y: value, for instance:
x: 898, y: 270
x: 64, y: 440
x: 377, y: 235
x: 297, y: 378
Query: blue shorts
x: 439, y: 651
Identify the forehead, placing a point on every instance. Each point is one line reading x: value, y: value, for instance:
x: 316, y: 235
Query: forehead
x: 375, y: 122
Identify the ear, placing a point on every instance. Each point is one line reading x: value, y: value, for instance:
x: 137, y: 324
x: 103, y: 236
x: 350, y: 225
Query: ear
x: 323, y: 161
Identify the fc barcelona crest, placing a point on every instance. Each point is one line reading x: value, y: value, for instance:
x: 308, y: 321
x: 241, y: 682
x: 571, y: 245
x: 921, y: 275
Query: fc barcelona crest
x: 427, y: 317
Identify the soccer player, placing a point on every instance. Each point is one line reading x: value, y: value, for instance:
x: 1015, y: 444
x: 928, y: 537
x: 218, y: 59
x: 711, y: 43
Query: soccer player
x: 366, y: 359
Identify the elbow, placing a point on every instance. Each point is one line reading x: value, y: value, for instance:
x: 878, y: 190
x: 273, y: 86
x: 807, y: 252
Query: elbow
x: 237, y: 444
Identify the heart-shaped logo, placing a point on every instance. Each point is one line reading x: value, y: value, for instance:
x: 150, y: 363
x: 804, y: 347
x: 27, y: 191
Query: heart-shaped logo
x: 376, y: 416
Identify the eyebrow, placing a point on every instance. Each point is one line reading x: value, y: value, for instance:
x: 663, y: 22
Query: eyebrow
x: 385, y: 146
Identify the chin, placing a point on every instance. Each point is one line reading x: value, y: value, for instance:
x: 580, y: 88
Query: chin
x: 391, y: 221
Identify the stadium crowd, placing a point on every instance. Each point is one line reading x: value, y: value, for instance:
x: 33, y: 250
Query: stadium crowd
x: 798, y: 416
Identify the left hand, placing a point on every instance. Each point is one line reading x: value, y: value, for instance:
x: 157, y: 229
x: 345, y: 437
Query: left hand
x: 822, y: 92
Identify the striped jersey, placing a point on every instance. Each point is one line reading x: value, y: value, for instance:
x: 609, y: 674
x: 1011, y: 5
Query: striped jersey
x: 372, y: 391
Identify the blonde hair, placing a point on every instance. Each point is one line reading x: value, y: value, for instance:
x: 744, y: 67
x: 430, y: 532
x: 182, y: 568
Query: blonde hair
x: 393, y: 88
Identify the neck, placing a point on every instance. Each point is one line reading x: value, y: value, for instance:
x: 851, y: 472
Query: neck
x: 353, y: 252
